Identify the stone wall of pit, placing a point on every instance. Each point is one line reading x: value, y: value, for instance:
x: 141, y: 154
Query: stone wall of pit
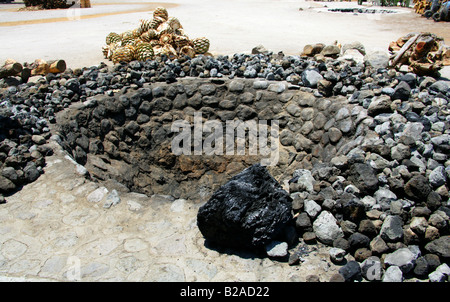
x: 125, y: 138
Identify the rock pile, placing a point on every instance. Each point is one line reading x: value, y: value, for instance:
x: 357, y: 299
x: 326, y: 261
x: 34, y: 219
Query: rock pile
x: 49, y: 4
x: 362, y: 10
x: 385, y: 200
x: 102, y: 132
x: 23, y: 146
x: 363, y: 149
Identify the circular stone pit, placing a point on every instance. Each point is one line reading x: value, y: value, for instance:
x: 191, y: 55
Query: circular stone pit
x: 374, y: 141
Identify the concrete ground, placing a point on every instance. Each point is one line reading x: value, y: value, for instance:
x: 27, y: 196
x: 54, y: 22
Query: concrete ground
x: 58, y: 229
x: 77, y: 35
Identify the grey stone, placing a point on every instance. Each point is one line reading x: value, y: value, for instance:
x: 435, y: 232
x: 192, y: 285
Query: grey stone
x: 381, y: 104
x: 277, y: 87
x: 38, y: 139
x: 437, y: 277
x: 331, y: 51
x: 31, y: 173
x: 418, y: 188
x: 293, y: 109
x: 303, y: 222
x: 10, y: 173
x: 421, y: 268
x: 392, y: 274
x: 363, y: 177
x: 97, y: 195
x: 384, y: 197
x: 417, y: 162
x: 354, y: 45
x: 440, y: 274
x: 351, y: 271
x: 312, y: 208
x: 368, y: 201
x: 326, y: 228
x: 402, y: 91
x: 307, y: 128
x: 340, y: 161
x: 302, y: 143
x: 320, y: 120
x: 311, y: 77
x: 392, y: 228
x: 228, y: 104
x: 438, y: 177
x: 396, y: 207
x: 348, y: 227
x: 443, y: 139
x: 342, y: 114
x: 388, y: 91
x: 305, y: 179
x: 307, y: 114
x: 6, y: 185
x: 337, y: 254
x: 413, y: 130
x: 444, y: 269
x: 236, y: 86
x: 440, y: 86
x: 334, y: 134
x: 403, y: 258
x: 377, y: 59
x: 353, y: 55
x: 378, y: 162
x: 260, y: 49
x: 438, y: 219
x: 260, y: 84
x: 207, y: 89
x: 245, y: 112
x: 400, y: 152
x: 277, y: 249
x: 440, y: 246
x: 418, y: 225
x: 112, y: 199
x: 383, y: 128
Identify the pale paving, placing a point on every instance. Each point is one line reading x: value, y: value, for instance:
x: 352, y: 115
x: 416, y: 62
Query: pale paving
x: 57, y: 229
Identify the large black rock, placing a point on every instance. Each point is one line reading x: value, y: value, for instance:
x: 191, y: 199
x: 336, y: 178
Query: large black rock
x: 247, y: 212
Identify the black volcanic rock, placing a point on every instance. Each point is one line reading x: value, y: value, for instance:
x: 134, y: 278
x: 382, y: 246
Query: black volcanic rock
x: 363, y: 176
x: 249, y: 211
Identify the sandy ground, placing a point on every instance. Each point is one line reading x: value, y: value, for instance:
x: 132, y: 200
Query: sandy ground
x: 77, y: 35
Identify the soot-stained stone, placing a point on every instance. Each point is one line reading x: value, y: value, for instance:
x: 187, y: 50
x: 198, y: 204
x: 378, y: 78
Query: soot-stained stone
x: 250, y: 211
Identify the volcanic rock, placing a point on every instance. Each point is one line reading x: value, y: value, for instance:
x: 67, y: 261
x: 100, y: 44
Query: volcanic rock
x: 250, y: 210
x: 402, y: 258
x: 363, y: 177
x: 440, y: 246
x: 326, y: 228
x: 351, y: 271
